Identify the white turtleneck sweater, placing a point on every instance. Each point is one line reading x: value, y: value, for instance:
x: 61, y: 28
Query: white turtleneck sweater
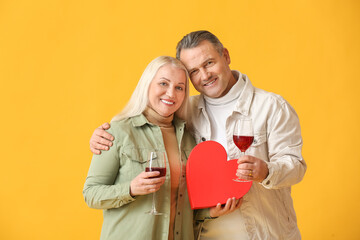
x: 219, y: 109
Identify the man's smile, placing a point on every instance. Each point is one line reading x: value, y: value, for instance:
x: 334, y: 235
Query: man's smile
x: 211, y: 82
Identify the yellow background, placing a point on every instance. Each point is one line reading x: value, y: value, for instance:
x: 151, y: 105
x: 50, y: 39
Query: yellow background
x: 68, y: 66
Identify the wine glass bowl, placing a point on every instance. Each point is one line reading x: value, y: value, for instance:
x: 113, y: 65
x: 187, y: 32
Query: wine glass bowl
x: 243, y: 142
x: 243, y: 137
x: 156, y: 162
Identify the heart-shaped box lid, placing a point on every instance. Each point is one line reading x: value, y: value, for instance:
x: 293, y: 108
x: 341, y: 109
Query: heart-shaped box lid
x: 210, y: 176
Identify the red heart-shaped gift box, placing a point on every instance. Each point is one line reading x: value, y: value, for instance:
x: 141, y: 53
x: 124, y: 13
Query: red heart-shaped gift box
x: 210, y: 176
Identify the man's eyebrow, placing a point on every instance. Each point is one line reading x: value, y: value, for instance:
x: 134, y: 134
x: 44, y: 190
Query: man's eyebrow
x: 204, y: 62
x: 209, y: 59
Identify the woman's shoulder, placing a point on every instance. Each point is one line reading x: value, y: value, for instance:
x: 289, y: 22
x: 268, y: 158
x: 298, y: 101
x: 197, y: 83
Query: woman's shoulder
x: 121, y: 122
x: 121, y: 127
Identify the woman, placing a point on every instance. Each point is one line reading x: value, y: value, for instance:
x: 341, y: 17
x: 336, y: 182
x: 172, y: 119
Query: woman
x: 116, y: 182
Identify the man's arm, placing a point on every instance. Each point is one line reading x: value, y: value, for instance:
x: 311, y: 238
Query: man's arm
x: 286, y: 166
x: 101, y: 140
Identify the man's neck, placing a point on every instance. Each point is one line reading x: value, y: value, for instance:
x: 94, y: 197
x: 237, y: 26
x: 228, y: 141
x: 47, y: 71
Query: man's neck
x: 232, y: 81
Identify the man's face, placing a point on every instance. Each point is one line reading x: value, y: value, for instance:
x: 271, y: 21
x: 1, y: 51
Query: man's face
x: 209, y: 71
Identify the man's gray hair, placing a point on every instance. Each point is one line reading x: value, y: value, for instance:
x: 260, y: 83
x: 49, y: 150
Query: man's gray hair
x: 193, y: 39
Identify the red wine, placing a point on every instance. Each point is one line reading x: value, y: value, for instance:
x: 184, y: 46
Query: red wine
x: 162, y: 171
x: 243, y: 142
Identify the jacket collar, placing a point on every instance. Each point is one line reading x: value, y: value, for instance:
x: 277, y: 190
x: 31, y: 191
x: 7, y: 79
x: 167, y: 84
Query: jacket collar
x: 140, y: 120
x: 244, y: 102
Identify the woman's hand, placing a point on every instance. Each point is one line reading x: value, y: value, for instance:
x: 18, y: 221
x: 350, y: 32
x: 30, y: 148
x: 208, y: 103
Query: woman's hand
x: 143, y: 183
x: 231, y: 205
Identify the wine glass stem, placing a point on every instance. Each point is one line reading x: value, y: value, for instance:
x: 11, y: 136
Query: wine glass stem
x: 153, y: 209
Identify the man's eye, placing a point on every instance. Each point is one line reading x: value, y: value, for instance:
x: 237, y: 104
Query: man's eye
x: 193, y: 72
x: 210, y: 63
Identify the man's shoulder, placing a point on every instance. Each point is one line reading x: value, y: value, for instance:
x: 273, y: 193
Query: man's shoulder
x: 194, y: 102
x: 194, y: 98
x: 268, y: 96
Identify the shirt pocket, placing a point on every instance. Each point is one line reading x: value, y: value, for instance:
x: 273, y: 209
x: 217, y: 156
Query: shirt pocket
x: 259, y: 138
x: 259, y: 147
x: 133, y: 160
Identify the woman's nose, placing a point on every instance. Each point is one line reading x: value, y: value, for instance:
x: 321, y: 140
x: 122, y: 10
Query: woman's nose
x: 170, y: 92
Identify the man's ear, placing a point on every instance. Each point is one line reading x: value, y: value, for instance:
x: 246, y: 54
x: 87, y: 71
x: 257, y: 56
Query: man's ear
x: 226, y: 56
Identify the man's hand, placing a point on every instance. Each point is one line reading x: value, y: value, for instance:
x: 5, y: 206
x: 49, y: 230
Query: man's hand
x: 231, y: 205
x: 101, y: 140
x: 144, y: 184
x: 252, y: 168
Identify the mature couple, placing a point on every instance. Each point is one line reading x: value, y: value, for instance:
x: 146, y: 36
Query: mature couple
x: 155, y: 118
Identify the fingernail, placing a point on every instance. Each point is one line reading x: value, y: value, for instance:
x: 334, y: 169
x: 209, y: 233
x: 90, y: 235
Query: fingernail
x: 111, y: 144
x: 107, y: 148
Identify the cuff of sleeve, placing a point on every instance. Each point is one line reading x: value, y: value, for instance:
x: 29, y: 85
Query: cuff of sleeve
x: 268, y: 182
x: 203, y: 214
x: 125, y: 193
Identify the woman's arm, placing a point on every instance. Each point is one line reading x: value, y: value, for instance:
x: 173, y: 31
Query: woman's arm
x: 99, y: 189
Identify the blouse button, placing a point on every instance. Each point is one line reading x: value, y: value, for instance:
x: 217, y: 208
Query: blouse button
x: 203, y: 139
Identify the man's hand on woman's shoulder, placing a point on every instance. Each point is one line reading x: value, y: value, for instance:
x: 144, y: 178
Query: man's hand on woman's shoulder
x: 101, y: 140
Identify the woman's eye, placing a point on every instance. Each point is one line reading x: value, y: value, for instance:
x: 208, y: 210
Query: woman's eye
x: 179, y: 88
x: 163, y: 83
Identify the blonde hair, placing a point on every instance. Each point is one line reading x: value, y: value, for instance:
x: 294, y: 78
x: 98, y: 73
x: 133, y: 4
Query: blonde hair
x: 140, y: 97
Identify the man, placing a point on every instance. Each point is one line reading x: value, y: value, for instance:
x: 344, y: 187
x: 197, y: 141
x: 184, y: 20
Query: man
x: 274, y: 162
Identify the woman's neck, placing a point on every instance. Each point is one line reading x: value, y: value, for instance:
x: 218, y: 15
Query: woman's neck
x: 155, y: 118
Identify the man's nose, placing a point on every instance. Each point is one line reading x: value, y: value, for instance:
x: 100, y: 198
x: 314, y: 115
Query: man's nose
x: 204, y: 74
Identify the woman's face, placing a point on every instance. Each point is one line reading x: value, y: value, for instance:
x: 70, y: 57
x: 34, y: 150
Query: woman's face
x: 167, y: 90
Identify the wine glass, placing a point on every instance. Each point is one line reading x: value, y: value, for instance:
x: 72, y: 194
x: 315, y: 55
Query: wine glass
x: 243, y: 137
x: 156, y: 162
